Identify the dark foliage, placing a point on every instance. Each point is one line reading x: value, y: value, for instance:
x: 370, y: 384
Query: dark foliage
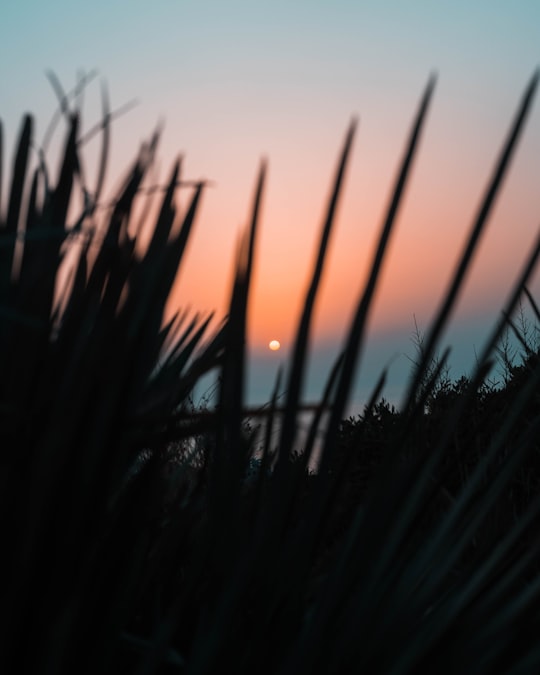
x: 142, y: 535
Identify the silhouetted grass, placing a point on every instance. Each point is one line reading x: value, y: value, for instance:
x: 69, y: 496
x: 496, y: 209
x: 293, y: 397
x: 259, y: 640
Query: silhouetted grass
x: 139, y: 538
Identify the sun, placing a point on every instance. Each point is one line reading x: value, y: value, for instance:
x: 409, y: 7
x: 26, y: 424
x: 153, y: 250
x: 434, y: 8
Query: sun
x: 274, y: 345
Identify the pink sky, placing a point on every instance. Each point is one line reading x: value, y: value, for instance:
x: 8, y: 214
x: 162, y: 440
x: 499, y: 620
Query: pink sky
x: 238, y: 81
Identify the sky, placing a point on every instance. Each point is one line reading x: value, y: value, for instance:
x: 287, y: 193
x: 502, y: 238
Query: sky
x: 238, y: 81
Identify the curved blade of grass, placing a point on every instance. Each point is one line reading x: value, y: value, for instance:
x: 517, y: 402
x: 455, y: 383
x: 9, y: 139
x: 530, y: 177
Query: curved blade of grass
x: 111, y: 116
x: 63, y: 99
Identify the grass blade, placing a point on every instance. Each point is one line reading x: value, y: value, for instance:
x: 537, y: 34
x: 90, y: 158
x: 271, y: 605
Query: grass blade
x: 479, y: 223
x: 356, y: 332
x: 301, y: 343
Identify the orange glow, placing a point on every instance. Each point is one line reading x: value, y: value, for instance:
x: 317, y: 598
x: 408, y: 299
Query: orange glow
x: 432, y: 224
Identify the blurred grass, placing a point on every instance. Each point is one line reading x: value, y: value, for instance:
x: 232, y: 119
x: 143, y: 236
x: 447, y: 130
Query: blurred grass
x: 143, y: 535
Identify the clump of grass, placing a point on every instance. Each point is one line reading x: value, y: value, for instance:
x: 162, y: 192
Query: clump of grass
x: 122, y: 559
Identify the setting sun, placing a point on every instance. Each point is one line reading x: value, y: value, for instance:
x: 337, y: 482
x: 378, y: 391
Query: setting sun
x: 274, y: 345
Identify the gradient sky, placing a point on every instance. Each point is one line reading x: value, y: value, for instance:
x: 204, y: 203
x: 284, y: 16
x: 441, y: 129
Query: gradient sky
x: 236, y: 81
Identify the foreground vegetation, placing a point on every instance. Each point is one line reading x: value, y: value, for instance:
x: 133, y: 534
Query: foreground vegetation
x: 138, y: 537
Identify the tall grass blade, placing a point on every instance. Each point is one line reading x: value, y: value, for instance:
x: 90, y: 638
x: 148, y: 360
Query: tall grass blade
x: 105, y: 143
x: 62, y: 109
x: 8, y: 234
x: 298, y: 362
x: 231, y: 398
x: 479, y: 224
x: 356, y: 332
x: 535, y: 307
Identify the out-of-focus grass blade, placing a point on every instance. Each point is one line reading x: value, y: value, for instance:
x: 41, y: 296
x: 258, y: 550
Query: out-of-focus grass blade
x: 165, y: 220
x: 32, y: 211
x: 231, y: 399
x: 284, y: 497
x: 156, y: 275
x: 210, y: 357
x: 59, y: 91
x: 176, y: 247
x: 230, y: 462
x: 356, y: 332
x: 18, y: 180
x: 535, y: 307
x: 172, y: 336
x: 358, y: 326
x: 105, y: 142
x: 491, y: 600
x: 63, y: 107
x: 301, y: 343
x: 479, y: 223
x: 482, y: 369
x: 500, y: 618
x: 422, y: 480
x: 443, y: 546
x: 164, y: 381
x: 70, y: 167
x: 323, y: 407
x: 115, y: 114
x: 470, y: 491
x: 41, y: 259
x: 108, y: 250
x: 265, y: 460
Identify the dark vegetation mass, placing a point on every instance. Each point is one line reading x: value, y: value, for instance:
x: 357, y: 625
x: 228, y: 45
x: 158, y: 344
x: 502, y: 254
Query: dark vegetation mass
x: 141, y: 534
